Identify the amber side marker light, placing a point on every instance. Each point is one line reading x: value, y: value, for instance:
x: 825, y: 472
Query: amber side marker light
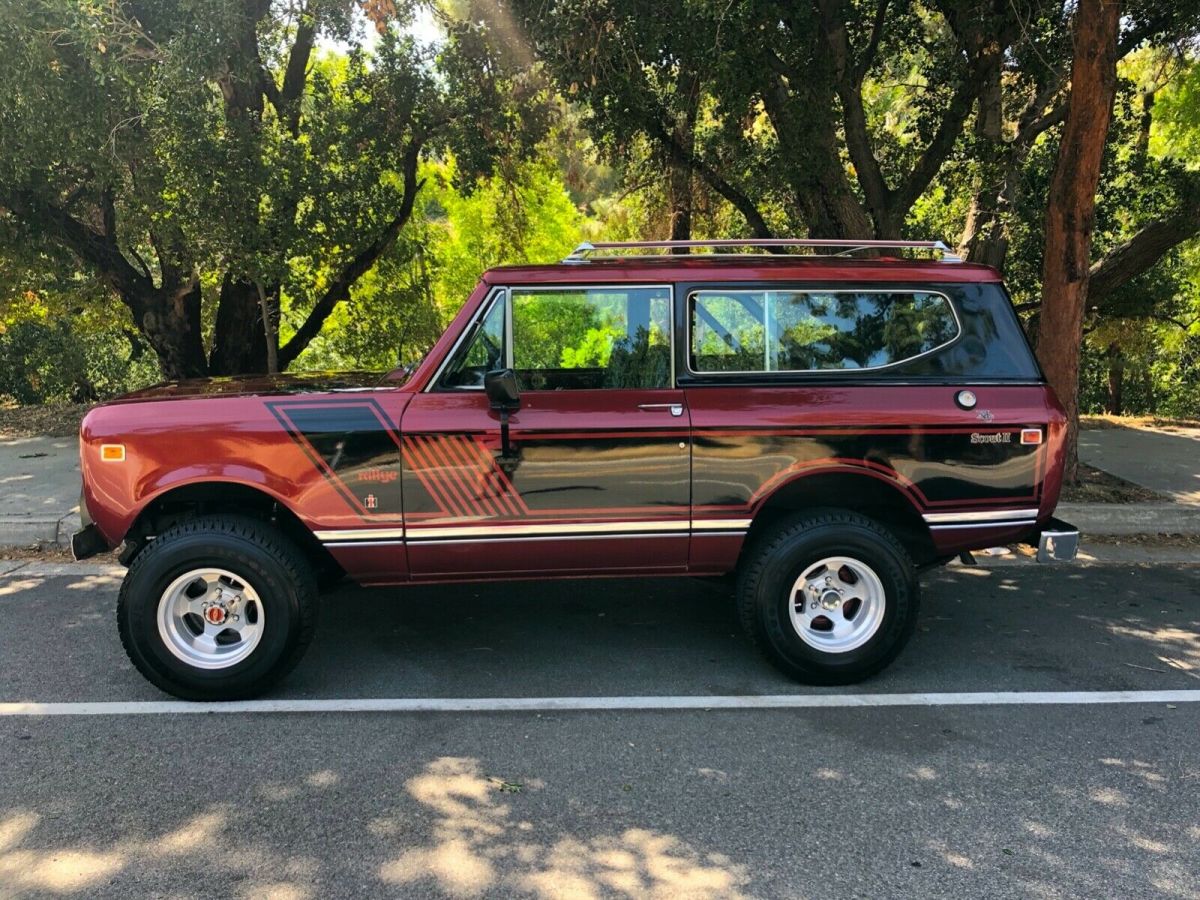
x: 112, y: 452
x: 1031, y: 435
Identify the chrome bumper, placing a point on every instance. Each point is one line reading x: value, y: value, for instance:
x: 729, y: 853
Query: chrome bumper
x: 1058, y: 541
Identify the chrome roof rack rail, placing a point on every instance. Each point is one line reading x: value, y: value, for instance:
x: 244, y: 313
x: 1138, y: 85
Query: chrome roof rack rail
x: 588, y: 252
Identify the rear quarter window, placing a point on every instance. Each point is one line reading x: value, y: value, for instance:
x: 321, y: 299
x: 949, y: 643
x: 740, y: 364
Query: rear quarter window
x: 936, y: 332
x: 816, y: 330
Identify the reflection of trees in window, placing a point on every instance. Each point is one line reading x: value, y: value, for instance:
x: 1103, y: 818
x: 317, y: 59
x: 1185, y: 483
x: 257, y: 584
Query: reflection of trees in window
x: 641, y: 361
x: 726, y: 337
x: 544, y: 323
x: 590, y: 331
x: 814, y: 331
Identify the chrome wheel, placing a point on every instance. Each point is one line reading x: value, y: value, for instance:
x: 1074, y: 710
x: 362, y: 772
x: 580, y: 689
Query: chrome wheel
x: 210, y: 618
x: 837, y: 605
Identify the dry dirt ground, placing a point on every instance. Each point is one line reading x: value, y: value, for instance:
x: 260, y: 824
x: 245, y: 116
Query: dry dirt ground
x: 1097, y: 486
x: 52, y: 420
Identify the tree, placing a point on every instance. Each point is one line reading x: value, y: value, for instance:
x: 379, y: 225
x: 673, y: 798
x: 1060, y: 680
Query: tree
x: 224, y: 179
x: 1071, y: 205
x: 860, y: 118
x: 788, y: 92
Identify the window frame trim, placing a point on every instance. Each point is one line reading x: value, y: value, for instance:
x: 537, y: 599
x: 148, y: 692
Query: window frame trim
x: 485, y: 309
x: 687, y: 315
x: 669, y: 287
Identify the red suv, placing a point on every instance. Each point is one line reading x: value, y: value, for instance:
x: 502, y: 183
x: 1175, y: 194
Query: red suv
x: 824, y: 427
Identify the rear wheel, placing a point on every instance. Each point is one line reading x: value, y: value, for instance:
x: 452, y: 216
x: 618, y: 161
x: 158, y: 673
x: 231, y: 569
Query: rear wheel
x: 830, y: 597
x: 217, y: 608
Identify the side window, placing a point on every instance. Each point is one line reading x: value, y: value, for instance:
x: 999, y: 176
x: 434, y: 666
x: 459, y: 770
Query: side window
x: 591, y: 338
x: 481, y: 352
x: 805, y: 331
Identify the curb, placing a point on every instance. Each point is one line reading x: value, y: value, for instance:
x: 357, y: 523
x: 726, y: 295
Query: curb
x: 39, y: 531
x: 1131, y: 518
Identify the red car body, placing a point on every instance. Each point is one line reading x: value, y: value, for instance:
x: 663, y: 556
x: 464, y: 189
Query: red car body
x: 397, y: 481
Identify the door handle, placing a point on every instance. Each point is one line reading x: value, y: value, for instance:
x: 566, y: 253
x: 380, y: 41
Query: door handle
x: 675, y: 408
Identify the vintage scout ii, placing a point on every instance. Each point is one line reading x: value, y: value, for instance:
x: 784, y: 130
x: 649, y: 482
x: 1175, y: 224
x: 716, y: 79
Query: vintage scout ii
x: 821, y: 426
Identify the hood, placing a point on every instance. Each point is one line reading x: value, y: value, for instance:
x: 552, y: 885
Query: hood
x: 250, y: 385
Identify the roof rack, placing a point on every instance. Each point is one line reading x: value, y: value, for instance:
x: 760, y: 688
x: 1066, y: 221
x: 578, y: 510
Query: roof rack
x: 589, y: 252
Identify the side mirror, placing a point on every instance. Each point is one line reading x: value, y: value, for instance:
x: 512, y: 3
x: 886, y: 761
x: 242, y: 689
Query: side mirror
x: 501, y: 388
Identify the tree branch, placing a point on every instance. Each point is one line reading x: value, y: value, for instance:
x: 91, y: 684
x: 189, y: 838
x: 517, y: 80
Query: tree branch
x: 1129, y: 260
x: 96, y: 248
x: 868, y: 57
x: 296, y: 73
x: 934, y: 155
x: 848, y: 77
x: 339, y: 288
x: 1029, y: 131
x: 740, y: 200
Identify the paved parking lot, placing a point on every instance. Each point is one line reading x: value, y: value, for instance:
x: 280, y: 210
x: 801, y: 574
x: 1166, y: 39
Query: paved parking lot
x: 1021, y: 799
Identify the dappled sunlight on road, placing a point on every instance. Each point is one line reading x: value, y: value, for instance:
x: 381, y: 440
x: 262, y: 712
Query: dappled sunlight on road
x: 13, y: 586
x: 1175, y: 647
x: 89, y: 582
x: 473, y: 844
x: 63, y: 871
x: 475, y: 831
x: 28, y: 865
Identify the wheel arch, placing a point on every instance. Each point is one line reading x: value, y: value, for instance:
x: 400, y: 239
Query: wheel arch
x: 869, y: 491
x: 214, y: 496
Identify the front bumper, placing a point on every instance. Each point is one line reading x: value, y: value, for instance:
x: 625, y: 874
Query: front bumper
x: 88, y: 541
x: 1057, y: 541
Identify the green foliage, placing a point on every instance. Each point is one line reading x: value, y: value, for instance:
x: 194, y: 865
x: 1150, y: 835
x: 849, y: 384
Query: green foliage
x: 166, y: 137
x: 210, y: 149
x: 522, y: 213
x: 48, y: 361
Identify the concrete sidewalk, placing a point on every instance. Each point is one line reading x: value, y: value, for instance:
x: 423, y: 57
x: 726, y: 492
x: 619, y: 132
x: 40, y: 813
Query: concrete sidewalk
x: 1166, y: 460
x: 39, y: 502
x: 39, y: 490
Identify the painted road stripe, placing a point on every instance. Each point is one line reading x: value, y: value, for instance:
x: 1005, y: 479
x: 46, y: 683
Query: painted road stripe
x: 584, y: 704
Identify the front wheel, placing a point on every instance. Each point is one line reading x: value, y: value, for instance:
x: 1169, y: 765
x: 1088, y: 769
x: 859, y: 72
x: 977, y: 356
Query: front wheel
x: 217, y: 608
x: 830, y: 598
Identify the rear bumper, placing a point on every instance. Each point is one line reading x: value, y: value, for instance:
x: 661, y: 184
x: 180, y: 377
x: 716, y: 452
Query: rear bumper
x: 1057, y: 541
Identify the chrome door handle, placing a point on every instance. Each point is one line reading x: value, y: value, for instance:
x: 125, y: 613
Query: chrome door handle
x: 675, y: 408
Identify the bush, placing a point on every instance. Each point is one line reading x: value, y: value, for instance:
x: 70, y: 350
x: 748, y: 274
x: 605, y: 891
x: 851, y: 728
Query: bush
x: 48, y: 361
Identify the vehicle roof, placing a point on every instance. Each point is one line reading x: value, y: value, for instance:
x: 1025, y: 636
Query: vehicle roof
x: 752, y: 268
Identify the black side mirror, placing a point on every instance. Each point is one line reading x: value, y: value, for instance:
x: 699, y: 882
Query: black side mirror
x: 501, y: 388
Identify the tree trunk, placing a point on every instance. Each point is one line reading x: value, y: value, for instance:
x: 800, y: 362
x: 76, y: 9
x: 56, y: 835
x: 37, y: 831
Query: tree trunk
x: 679, y: 184
x: 1116, y: 378
x: 1071, y: 207
x: 270, y: 333
x: 239, y: 341
x: 170, y: 321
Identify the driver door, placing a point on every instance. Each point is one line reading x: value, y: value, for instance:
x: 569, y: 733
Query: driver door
x: 596, y: 479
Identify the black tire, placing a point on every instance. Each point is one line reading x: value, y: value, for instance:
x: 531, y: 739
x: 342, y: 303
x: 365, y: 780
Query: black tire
x: 256, y: 553
x: 779, y: 557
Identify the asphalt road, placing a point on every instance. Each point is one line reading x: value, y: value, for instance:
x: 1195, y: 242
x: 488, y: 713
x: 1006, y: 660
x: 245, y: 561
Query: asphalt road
x: 1015, y: 800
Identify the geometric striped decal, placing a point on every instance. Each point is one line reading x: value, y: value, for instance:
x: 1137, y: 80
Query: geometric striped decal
x: 353, y: 446
x: 462, y: 476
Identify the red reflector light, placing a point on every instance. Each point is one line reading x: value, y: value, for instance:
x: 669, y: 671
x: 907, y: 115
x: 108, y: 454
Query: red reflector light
x: 1031, y: 435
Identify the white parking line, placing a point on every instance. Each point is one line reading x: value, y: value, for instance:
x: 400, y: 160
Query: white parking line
x: 586, y: 704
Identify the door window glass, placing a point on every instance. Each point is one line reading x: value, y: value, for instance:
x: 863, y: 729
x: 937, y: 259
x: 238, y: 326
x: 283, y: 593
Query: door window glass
x: 803, y: 331
x: 592, y: 338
